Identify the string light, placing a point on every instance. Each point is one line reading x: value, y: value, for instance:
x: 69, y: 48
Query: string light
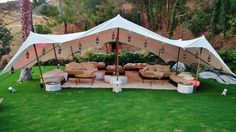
x: 27, y: 54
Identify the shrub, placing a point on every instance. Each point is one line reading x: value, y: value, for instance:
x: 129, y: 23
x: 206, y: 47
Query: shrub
x: 5, y: 38
x: 229, y: 58
x: 43, y: 29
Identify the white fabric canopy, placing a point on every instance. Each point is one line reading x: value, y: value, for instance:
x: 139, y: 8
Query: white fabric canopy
x: 104, y: 31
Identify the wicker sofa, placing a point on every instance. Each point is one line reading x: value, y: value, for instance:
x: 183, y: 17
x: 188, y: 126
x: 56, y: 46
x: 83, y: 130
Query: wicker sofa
x: 157, y: 69
x: 55, y: 75
x: 183, y: 77
x: 74, y: 68
x: 134, y: 66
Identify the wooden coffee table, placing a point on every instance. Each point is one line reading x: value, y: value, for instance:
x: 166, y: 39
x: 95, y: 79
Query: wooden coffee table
x: 85, y: 76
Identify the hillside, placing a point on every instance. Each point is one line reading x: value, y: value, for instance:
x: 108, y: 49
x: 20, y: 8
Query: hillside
x: 10, y: 12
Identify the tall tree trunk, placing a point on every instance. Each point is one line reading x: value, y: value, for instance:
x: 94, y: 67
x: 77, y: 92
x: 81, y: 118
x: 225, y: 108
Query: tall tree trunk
x: 27, y: 26
x: 61, y: 15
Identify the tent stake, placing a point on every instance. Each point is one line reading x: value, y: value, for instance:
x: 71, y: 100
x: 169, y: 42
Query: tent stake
x: 177, y: 62
x: 72, y: 53
x: 40, y: 70
x: 54, y: 49
x: 116, y: 55
x: 198, y: 68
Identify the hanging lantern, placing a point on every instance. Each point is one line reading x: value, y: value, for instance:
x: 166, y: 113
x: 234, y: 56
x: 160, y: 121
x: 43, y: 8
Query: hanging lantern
x: 12, y: 69
x: 79, y: 46
x: 184, y: 55
x: 113, y: 35
x: 27, y: 54
x: 196, y: 54
x: 44, y: 51
x: 162, y: 49
x: 97, y: 40
x: 59, y: 50
x: 145, y: 43
x: 129, y: 38
x: 209, y: 58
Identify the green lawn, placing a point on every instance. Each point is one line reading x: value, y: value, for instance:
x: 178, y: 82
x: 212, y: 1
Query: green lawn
x: 33, y: 109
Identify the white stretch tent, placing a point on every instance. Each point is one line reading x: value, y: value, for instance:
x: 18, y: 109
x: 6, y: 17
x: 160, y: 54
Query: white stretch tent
x: 129, y: 33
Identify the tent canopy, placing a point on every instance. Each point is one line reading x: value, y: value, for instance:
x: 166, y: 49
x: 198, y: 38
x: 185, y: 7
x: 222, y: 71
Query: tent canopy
x: 165, y: 48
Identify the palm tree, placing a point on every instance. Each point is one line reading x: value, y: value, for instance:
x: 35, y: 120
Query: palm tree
x: 27, y: 26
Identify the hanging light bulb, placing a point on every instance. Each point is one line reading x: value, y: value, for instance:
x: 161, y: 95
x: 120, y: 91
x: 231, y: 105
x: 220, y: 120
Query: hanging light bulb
x: 184, y: 55
x: 113, y: 35
x: 12, y: 69
x: 27, y: 55
x: 209, y: 58
x: 145, y: 42
x: 97, y: 40
x: 129, y: 38
x: 59, y: 50
x: 44, y: 51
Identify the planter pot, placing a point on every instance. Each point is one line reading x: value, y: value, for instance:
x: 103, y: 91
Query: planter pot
x: 53, y: 86
x: 186, y: 89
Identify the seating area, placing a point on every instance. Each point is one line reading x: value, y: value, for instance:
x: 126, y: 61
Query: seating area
x: 136, y: 75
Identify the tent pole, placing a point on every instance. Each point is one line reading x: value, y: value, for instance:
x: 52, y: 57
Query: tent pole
x: 177, y: 62
x: 116, y: 55
x: 72, y: 53
x: 198, y: 67
x: 40, y: 70
x: 54, y: 49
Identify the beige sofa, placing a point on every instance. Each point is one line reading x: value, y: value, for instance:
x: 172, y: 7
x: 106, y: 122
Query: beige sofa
x: 74, y: 68
x: 183, y: 77
x: 157, y: 69
x: 55, y: 75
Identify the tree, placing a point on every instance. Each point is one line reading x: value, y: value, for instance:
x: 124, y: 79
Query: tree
x: 27, y: 26
x: 5, y: 38
x: 179, y: 7
x: 220, y: 16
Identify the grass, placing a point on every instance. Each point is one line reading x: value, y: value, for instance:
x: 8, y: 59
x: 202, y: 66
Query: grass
x: 33, y: 109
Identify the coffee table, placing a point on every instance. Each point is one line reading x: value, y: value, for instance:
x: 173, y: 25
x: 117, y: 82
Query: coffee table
x: 85, y: 76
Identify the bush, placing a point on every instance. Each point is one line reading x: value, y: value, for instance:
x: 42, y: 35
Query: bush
x: 5, y: 38
x: 124, y: 58
x: 43, y: 29
x: 229, y: 58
